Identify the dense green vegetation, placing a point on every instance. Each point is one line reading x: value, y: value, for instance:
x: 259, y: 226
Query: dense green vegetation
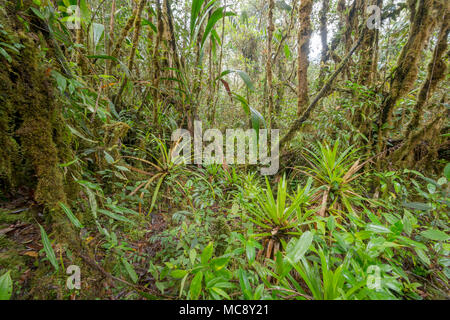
x: 90, y: 98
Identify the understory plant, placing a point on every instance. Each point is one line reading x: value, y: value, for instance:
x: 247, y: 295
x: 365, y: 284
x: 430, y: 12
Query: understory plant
x: 334, y: 171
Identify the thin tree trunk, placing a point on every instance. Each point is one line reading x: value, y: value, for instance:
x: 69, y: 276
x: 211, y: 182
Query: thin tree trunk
x: 323, y: 39
x: 368, y: 46
x: 137, y: 30
x: 156, y: 64
x: 304, y: 36
x: 123, y: 34
x: 270, y: 30
x: 327, y: 86
x: 213, y: 116
x: 110, y: 41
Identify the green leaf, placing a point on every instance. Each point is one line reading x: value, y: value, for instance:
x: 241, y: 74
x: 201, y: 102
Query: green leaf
x: 281, y: 4
x: 145, y: 22
x: 48, y: 249
x: 407, y: 225
x: 219, y: 263
x: 297, y: 251
x: 245, y: 284
x: 417, y: 206
x: 78, y: 134
x: 244, y: 76
x: 71, y: 216
x: 108, y: 157
x: 215, y: 16
x: 434, y: 234
x: 97, y: 32
x: 130, y: 270
x: 155, y: 193
x: 250, y: 251
x: 192, y: 256
x: 207, y: 253
x: 92, y: 201
x: 287, y: 52
x: 257, y: 120
x: 195, y: 10
x: 447, y: 171
x: 377, y: 228
x: 37, y: 13
x: 221, y: 292
x: 178, y: 274
x: 61, y: 81
x: 85, y: 11
x: 243, y: 102
x: 121, y: 168
x: 6, y: 55
x: 183, y: 281
x: 196, y: 286
x: 6, y: 286
x: 115, y: 216
x: 422, y: 256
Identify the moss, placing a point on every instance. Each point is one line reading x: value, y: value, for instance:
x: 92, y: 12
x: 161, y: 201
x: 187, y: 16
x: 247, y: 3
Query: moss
x: 113, y: 134
x: 38, y: 146
x: 12, y: 260
x: 422, y: 24
x: 220, y: 232
x: 31, y: 126
x: 9, y: 146
x: 8, y: 217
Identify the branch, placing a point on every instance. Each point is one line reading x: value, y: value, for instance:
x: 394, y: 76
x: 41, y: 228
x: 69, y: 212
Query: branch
x: 298, y: 123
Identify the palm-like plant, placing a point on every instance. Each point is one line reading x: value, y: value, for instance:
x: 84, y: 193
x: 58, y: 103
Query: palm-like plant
x: 322, y: 281
x: 165, y: 166
x: 281, y: 216
x: 334, y: 172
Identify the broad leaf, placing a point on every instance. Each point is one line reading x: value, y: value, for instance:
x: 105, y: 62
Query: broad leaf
x: 48, y: 249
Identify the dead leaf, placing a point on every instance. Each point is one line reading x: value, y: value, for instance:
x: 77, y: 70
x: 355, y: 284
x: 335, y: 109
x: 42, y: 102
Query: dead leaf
x: 33, y: 254
x: 6, y: 230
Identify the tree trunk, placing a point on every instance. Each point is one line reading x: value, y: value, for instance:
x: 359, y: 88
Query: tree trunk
x: 304, y: 36
x: 437, y: 69
x: 406, y: 71
x: 270, y: 30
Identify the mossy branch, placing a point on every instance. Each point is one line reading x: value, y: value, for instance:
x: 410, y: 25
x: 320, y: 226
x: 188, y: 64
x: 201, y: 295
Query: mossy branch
x: 305, y: 116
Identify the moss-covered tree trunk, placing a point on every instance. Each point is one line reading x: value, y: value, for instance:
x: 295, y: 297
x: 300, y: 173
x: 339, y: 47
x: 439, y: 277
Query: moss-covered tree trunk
x: 405, y: 74
x: 304, y: 36
x: 415, y: 132
x: 33, y: 135
x: 270, y: 30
